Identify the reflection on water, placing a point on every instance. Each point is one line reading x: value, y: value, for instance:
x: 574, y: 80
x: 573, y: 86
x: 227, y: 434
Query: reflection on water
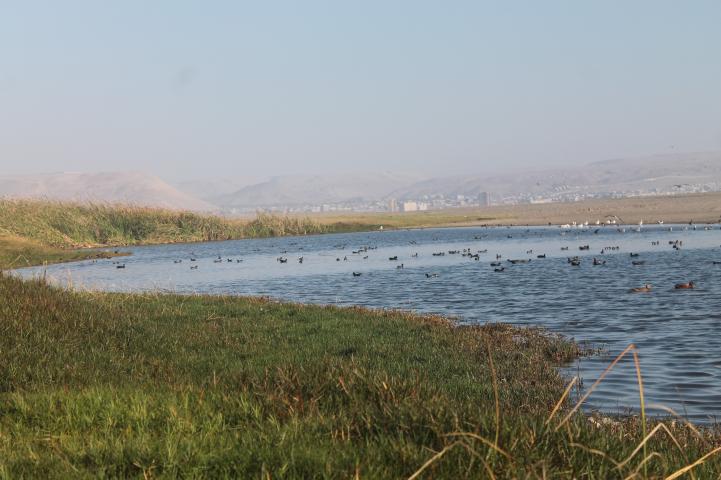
x: 676, y: 331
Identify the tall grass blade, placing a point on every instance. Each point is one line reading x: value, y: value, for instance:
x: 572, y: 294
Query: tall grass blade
x: 643, y: 407
x: 561, y: 400
x: 695, y: 464
x: 595, y: 384
x: 495, y: 393
x: 483, y: 440
x: 433, y: 459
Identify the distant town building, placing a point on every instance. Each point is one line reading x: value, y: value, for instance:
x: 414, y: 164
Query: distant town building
x: 409, y: 206
x: 392, y: 205
x: 484, y: 199
x: 413, y: 206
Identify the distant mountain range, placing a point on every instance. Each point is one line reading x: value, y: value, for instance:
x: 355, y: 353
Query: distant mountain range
x: 672, y: 172
x: 316, y: 190
x: 209, y: 188
x: 117, y: 187
x: 661, y: 172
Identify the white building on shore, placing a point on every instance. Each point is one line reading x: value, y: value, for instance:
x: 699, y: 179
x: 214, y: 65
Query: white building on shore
x: 413, y: 206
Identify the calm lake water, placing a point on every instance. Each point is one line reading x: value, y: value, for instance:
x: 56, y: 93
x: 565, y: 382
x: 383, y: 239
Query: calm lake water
x: 678, y: 332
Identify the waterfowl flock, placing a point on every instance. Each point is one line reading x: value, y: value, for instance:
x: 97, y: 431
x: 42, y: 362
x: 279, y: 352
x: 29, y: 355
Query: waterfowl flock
x: 475, y: 255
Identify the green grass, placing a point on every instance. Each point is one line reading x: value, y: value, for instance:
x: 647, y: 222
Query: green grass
x: 64, y: 224
x: 34, y: 232
x: 166, y: 386
x: 16, y: 252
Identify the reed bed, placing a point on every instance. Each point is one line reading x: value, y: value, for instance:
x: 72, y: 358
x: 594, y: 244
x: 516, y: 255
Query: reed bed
x: 65, y: 224
x: 34, y: 232
x: 159, y: 386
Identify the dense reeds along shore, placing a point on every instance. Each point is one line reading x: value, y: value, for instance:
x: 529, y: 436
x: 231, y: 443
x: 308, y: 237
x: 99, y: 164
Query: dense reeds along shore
x: 33, y: 232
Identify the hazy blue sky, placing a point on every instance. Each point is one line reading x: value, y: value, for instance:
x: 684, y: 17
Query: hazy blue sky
x: 228, y: 88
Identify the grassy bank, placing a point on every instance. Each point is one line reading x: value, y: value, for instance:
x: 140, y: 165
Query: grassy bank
x: 164, y: 386
x: 16, y: 252
x: 34, y: 232
x: 62, y: 224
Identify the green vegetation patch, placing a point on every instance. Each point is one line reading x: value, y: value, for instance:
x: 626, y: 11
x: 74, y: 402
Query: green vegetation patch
x: 198, y: 386
x: 63, y: 224
x: 16, y: 252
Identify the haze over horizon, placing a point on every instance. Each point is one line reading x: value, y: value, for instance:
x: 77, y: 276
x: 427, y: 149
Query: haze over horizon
x: 250, y: 91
